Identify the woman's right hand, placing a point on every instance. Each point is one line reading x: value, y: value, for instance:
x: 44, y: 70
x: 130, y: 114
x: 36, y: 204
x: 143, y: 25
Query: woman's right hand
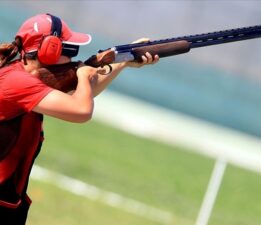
x: 76, y: 107
x: 87, y: 72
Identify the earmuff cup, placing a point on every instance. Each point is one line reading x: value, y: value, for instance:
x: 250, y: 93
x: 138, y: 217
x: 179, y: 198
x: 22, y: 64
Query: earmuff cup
x: 50, y: 50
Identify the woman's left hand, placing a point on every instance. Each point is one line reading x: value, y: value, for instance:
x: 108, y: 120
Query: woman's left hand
x: 147, y: 59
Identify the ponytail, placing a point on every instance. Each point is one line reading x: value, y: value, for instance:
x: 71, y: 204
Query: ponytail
x: 8, y: 51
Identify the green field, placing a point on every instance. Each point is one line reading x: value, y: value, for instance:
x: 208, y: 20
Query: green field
x: 166, y: 177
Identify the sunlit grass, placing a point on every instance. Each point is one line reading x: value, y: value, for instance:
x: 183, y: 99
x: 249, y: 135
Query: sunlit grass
x: 167, y: 177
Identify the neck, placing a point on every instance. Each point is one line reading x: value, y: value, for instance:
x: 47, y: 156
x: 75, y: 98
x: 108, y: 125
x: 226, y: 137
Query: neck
x: 31, y: 65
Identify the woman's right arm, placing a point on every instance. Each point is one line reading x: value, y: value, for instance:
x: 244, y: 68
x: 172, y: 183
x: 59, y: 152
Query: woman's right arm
x: 77, y: 107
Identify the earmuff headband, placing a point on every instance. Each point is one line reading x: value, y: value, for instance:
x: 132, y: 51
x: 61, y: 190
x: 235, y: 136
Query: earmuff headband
x: 56, y: 29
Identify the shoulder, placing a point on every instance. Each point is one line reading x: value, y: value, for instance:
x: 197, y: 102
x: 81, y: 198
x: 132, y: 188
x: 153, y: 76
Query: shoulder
x: 15, y: 79
x: 15, y: 75
x: 20, y: 87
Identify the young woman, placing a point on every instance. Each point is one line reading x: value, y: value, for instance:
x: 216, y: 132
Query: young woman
x: 42, y: 40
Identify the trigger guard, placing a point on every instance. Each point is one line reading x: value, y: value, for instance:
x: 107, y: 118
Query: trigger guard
x: 110, y: 69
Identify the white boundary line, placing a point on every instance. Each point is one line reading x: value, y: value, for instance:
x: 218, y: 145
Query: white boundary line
x: 211, y: 193
x: 92, y: 192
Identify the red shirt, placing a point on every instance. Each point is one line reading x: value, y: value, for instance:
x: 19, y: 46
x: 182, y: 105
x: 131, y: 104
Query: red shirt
x: 20, y: 91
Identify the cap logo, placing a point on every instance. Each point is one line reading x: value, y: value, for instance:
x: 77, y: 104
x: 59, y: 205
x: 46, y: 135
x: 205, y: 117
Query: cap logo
x: 36, y: 27
x: 55, y: 33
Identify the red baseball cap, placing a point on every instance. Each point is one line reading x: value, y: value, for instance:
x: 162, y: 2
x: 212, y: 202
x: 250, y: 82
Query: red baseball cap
x: 35, y: 28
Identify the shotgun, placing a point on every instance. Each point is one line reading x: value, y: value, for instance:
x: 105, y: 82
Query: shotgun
x: 171, y: 46
x: 63, y: 77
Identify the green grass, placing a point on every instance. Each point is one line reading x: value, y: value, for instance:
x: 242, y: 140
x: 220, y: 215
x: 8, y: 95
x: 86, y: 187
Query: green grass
x: 239, y: 199
x: 167, y: 177
x: 58, y: 207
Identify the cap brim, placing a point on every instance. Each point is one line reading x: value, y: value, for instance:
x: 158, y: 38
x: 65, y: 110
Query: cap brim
x: 78, y: 39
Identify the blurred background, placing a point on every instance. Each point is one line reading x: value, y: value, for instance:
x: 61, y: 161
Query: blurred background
x: 217, y: 86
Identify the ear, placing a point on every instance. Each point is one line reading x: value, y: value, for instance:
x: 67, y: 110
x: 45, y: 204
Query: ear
x: 50, y: 50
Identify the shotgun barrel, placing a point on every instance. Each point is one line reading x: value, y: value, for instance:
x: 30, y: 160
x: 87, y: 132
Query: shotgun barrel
x: 206, y: 39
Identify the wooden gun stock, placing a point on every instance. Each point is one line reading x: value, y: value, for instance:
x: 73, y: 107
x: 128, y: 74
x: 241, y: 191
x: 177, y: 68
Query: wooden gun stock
x: 61, y: 77
x: 101, y: 59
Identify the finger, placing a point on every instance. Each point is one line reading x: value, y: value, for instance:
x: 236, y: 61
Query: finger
x: 94, y: 79
x: 149, y: 57
x: 101, y: 71
x: 144, y: 59
x: 156, y: 59
x: 105, y: 70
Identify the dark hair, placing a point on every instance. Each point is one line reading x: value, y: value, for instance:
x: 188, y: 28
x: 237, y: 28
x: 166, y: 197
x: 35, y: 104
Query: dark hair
x: 8, y: 51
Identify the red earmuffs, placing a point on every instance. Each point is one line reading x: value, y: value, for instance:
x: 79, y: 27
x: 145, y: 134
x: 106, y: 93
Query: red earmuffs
x: 50, y: 49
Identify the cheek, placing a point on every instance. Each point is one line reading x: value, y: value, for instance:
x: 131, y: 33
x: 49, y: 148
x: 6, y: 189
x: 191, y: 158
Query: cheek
x: 64, y: 59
